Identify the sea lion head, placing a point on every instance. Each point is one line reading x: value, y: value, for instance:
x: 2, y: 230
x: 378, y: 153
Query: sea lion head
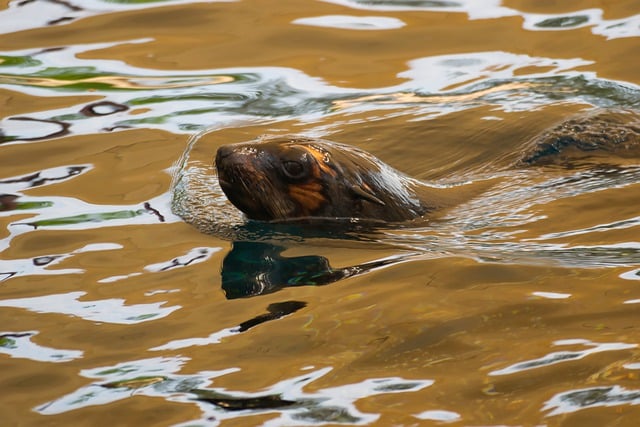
x: 290, y: 178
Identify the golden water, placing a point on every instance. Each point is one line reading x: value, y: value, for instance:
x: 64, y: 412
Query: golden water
x: 520, y: 308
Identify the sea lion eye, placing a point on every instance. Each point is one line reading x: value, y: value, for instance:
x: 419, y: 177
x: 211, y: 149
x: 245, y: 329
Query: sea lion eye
x: 293, y: 169
x: 295, y: 164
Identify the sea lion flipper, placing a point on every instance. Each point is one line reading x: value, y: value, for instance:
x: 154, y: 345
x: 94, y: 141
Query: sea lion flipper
x: 363, y: 194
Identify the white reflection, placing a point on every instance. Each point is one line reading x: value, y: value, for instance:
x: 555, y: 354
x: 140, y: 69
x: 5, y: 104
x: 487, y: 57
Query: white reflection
x: 112, y: 310
x: 611, y: 29
x: 19, y: 345
x: 476, y: 9
x: 618, y: 28
x: 287, y: 399
x: 13, y: 184
x: 193, y: 256
x: 575, y: 400
x: 435, y: 73
x: 352, y: 22
x: 493, y: 9
x: 551, y: 295
x: 214, y: 338
x: 40, y: 265
x: 564, y: 356
x: 616, y: 225
x: 323, y: 406
x: 66, y: 213
x: 24, y: 15
x: 185, y: 101
x: 438, y: 415
x: 153, y: 377
x: 631, y: 275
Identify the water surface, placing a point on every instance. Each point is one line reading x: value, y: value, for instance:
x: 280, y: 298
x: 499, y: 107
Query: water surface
x: 517, y: 308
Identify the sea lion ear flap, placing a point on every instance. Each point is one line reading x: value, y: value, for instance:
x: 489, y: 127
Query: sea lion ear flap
x: 360, y: 192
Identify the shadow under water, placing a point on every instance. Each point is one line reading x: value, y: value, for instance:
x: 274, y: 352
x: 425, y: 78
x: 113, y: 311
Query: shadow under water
x: 256, y: 268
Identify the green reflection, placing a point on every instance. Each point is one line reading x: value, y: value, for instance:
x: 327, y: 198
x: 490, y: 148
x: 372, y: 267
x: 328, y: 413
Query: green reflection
x: 7, y: 342
x: 95, y: 217
x: 89, y: 78
x: 189, y: 97
x: 18, y: 61
x: 8, y: 203
x: 134, y: 383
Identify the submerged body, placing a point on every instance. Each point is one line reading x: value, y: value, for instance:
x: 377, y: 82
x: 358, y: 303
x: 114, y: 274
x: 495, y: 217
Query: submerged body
x: 290, y: 178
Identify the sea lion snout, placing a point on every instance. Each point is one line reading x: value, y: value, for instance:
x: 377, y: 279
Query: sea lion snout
x: 222, y: 153
x: 233, y: 154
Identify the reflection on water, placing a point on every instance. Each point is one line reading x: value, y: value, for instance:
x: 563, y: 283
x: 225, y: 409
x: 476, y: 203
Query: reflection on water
x: 42, y: 177
x: 128, y: 299
x: 576, y: 400
x: 107, y: 310
x: 287, y: 399
x: 274, y: 312
x: 558, y: 357
x: 57, y: 12
x: 19, y: 344
x: 256, y: 268
x: 491, y: 9
x: 182, y: 101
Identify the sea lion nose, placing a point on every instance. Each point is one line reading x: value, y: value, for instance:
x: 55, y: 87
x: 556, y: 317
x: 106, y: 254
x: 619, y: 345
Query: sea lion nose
x: 223, y: 152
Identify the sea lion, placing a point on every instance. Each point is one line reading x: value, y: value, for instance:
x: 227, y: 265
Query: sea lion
x: 586, y: 138
x: 293, y: 178
x: 285, y: 178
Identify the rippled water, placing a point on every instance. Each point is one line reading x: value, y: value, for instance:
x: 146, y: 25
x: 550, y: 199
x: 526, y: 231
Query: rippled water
x: 132, y: 293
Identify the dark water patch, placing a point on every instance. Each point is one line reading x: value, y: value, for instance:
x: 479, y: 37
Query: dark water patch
x: 563, y: 22
x: 275, y: 311
x: 257, y: 268
x: 233, y: 403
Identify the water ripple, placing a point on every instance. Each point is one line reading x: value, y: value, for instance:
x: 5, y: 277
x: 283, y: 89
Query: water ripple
x: 563, y: 356
x: 592, y: 397
x: 30, y: 14
x: 19, y: 345
x: 493, y: 9
x: 287, y: 399
x: 112, y: 310
x: 185, y: 101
